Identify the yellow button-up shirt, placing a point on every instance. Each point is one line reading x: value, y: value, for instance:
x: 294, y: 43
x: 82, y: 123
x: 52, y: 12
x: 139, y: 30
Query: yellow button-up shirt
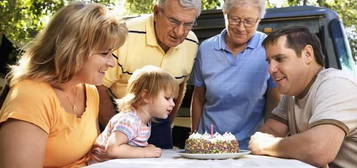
x: 141, y: 48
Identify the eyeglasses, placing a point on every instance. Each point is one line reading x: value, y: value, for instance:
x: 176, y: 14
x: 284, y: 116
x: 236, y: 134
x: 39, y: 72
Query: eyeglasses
x: 247, y: 22
x: 176, y: 23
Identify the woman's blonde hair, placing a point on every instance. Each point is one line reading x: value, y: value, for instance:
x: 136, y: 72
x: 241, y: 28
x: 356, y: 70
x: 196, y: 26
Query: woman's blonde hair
x: 149, y: 79
x: 61, y: 49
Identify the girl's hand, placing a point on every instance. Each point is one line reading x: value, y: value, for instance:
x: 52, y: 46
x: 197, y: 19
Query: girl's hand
x: 152, y: 151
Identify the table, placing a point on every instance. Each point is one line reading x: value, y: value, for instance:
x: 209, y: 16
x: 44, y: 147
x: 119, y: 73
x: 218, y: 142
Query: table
x: 171, y: 159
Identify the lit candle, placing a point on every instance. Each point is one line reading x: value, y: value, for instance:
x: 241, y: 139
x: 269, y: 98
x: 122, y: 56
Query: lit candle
x: 211, y: 130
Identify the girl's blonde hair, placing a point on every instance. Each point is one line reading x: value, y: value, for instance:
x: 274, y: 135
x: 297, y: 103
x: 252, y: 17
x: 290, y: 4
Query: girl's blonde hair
x: 150, y: 79
x: 61, y: 49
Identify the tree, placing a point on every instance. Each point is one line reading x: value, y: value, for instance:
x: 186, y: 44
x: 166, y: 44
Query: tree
x: 146, y: 6
x: 139, y: 6
x: 21, y: 20
x: 348, y: 13
x: 346, y: 9
x: 211, y: 4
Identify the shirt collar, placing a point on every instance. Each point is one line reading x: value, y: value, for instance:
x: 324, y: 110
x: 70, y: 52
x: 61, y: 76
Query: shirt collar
x: 307, y: 88
x: 252, y: 43
x: 221, y: 44
x: 150, y: 32
x: 151, y: 35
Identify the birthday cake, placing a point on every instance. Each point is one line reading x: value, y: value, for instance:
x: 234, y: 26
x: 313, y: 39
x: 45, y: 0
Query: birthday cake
x: 207, y: 143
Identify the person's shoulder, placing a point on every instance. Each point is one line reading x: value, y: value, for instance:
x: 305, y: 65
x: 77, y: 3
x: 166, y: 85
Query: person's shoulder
x: 191, y: 38
x: 92, y: 92
x: 128, y: 115
x: 91, y: 88
x: 32, y: 86
x: 260, y: 36
x: 30, y: 92
x: 332, y: 73
x: 336, y: 78
x: 214, y: 40
x: 137, y: 23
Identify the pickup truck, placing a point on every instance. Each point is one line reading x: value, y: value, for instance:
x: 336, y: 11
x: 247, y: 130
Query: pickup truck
x: 324, y: 22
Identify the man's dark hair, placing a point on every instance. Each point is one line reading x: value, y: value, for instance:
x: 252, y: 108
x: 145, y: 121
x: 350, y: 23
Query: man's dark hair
x: 297, y: 37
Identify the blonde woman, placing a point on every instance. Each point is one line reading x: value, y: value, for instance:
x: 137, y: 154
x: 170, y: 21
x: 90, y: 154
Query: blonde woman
x: 151, y: 93
x: 49, y: 117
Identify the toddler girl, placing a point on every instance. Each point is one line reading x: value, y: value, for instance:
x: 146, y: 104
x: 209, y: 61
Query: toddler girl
x: 151, y: 93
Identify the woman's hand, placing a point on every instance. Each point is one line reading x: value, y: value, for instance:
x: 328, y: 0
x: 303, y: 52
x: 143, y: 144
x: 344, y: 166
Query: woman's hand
x: 98, y: 153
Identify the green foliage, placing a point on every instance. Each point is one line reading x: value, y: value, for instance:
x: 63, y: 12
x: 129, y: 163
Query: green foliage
x: 346, y: 9
x: 293, y: 2
x: 21, y: 20
x: 210, y: 4
x: 139, y: 6
x: 146, y: 6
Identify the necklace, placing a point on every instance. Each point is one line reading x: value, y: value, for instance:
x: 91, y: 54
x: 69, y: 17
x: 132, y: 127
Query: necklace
x: 72, y: 103
x: 74, y: 107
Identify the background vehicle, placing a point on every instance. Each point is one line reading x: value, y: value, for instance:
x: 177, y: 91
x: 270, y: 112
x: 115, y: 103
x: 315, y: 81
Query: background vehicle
x: 324, y: 22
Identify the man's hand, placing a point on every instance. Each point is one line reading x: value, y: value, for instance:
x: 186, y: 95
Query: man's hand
x: 263, y: 143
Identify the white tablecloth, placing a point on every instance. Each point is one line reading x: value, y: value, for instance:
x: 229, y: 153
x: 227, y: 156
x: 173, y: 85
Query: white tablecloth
x: 172, y: 159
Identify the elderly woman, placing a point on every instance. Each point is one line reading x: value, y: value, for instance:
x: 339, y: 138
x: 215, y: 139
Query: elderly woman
x: 233, y: 89
x: 50, y: 115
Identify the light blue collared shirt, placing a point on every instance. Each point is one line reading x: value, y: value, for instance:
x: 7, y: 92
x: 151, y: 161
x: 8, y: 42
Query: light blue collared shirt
x: 235, y: 86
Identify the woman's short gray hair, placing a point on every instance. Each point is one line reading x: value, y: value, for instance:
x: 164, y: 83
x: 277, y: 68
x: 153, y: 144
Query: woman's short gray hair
x: 190, y: 4
x: 260, y: 4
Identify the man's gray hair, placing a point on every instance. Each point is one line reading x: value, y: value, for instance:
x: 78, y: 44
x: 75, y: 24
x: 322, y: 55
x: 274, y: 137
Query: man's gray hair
x: 190, y: 4
x: 260, y: 4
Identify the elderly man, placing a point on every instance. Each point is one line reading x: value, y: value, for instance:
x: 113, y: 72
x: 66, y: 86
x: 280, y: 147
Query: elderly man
x: 163, y: 39
x: 316, y: 120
